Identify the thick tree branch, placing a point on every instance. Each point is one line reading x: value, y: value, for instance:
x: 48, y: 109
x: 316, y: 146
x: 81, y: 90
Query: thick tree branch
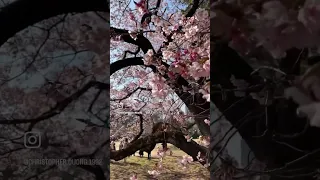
x: 174, y: 137
x: 193, y: 9
x: 140, y: 128
x: 130, y: 93
x: 22, y: 13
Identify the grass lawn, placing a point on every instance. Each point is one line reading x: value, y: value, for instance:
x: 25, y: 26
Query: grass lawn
x: 172, y: 170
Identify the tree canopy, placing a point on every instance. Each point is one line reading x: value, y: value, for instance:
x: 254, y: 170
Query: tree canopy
x: 160, y: 73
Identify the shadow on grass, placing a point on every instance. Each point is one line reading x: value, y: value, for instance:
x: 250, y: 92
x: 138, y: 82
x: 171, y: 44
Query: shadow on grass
x: 172, y: 169
x: 124, y: 163
x: 174, y: 175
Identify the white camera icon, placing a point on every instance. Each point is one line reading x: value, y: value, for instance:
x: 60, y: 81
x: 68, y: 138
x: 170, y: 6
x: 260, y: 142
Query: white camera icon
x: 32, y: 140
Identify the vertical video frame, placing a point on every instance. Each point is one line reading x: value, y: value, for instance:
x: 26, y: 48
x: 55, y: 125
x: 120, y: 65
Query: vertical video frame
x: 160, y: 89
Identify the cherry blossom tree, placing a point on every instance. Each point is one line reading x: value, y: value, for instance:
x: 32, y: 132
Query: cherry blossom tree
x: 258, y: 49
x: 54, y: 90
x: 160, y: 63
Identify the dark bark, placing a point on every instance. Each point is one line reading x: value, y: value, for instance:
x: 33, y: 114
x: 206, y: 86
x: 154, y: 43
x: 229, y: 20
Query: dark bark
x: 141, y: 129
x: 173, y: 136
x: 22, y: 13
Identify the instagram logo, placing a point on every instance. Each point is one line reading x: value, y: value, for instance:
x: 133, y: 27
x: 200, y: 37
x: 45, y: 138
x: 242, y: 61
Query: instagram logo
x: 32, y: 140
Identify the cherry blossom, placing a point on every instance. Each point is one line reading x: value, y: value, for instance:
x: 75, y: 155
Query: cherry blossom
x: 185, y: 161
x: 134, y: 177
x: 188, y: 138
x: 154, y: 172
x: 207, y: 121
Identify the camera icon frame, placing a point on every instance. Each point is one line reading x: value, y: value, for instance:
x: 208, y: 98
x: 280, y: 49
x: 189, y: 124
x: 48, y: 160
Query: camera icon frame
x: 34, y: 144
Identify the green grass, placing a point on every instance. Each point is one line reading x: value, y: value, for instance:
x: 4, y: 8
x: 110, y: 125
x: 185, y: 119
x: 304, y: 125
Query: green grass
x: 172, y: 170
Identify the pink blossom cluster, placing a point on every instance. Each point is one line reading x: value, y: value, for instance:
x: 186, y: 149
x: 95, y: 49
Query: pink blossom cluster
x: 141, y: 6
x: 185, y: 161
x: 188, y: 54
x: 277, y: 26
x: 159, y: 86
